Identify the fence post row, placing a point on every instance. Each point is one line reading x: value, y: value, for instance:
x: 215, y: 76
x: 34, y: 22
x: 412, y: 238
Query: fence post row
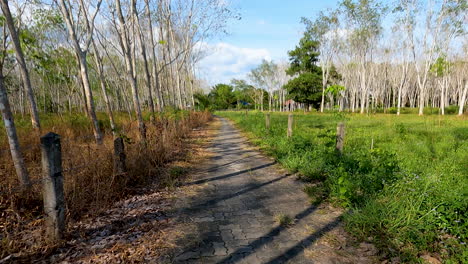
x: 54, y: 201
x: 119, y: 156
x: 267, y: 121
x: 290, y: 125
x: 340, y: 135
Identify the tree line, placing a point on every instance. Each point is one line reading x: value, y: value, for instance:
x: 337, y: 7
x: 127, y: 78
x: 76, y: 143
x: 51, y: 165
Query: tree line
x: 365, y: 56
x: 101, y: 56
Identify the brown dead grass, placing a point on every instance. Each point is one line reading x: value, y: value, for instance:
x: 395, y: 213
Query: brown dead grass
x: 90, y: 186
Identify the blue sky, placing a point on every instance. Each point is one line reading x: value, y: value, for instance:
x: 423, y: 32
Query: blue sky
x: 267, y: 30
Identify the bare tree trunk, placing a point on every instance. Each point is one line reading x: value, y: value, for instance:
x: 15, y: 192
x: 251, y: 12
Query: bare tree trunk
x: 10, y: 128
x: 102, y: 80
x: 145, y: 60
x: 191, y: 90
x: 154, y: 58
x: 125, y: 45
x: 22, y: 64
x: 81, y: 55
x: 89, y: 97
x: 261, y: 101
x: 461, y: 104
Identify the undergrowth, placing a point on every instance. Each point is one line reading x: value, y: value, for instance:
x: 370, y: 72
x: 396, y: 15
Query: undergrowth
x: 404, y: 178
x: 89, y: 183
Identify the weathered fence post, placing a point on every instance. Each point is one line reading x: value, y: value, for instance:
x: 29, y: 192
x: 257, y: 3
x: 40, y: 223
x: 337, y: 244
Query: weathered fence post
x: 290, y: 125
x: 340, y: 134
x: 54, y: 201
x: 119, y: 156
x: 267, y: 121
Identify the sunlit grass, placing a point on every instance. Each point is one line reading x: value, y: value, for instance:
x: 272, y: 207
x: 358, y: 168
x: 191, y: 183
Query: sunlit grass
x: 405, y: 178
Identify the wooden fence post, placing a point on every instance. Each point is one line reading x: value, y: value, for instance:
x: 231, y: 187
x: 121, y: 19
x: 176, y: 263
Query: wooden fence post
x: 340, y: 134
x: 290, y: 125
x: 54, y: 201
x: 119, y: 156
x: 267, y: 121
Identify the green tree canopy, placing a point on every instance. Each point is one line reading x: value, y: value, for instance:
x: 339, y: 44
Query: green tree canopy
x: 305, y: 56
x: 306, y: 86
x: 222, y: 96
x: 243, y: 92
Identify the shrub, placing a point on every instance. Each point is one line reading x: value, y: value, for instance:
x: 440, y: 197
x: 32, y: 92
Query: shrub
x: 452, y: 109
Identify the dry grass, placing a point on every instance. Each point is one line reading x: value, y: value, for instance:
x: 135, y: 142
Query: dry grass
x: 91, y: 186
x: 284, y: 220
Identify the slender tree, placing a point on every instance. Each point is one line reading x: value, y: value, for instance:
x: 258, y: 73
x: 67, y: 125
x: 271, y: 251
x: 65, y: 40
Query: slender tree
x: 81, y: 50
x: 22, y: 64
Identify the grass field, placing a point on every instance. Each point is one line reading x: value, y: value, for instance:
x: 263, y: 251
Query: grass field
x: 403, y: 178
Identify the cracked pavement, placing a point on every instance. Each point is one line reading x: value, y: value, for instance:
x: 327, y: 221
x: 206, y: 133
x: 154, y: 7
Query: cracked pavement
x: 239, y: 194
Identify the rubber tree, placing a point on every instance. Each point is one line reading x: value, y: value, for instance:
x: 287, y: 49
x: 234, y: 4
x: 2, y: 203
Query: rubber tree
x: 22, y: 64
x: 363, y: 19
x: 125, y: 45
x: 8, y: 119
x: 81, y: 49
x: 325, y: 29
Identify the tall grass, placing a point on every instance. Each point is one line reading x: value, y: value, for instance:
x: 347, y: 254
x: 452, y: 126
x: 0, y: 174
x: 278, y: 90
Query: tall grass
x: 89, y: 183
x: 404, y: 178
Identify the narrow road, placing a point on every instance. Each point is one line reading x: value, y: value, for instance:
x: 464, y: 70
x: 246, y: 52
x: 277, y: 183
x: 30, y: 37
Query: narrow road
x: 233, y: 213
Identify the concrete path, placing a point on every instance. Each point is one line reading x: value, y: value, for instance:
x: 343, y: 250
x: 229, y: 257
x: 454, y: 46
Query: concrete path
x: 233, y: 213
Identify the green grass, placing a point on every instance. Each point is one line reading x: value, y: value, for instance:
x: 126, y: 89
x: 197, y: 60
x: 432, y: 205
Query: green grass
x: 404, y: 178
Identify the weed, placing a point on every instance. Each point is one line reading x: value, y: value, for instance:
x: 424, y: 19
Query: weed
x: 284, y: 220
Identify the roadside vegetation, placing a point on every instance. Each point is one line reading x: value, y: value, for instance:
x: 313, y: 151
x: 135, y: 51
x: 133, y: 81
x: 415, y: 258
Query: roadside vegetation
x: 93, y: 71
x: 403, y: 178
x: 90, y: 185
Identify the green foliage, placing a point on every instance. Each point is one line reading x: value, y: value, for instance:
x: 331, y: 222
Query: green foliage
x: 202, y: 101
x: 239, y: 94
x: 365, y: 18
x: 306, y: 88
x: 452, y: 109
x: 244, y: 93
x: 409, y: 191
x: 441, y: 67
x: 335, y: 89
x: 222, y: 96
x: 305, y: 56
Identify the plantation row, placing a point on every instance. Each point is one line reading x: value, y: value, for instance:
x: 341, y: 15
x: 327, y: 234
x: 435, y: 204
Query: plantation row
x: 403, y: 178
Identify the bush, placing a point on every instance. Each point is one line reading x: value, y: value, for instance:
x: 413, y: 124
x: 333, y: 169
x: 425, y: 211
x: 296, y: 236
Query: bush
x: 452, y: 109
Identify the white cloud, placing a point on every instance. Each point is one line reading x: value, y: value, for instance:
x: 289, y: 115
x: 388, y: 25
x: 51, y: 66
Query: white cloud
x: 225, y: 61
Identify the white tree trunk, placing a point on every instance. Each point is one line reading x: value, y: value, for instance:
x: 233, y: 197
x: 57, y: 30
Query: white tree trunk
x: 461, y: 104
x: 22, y: 63
x: 10, y: 128
x: 126, y: 49
x: 81, y: 56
